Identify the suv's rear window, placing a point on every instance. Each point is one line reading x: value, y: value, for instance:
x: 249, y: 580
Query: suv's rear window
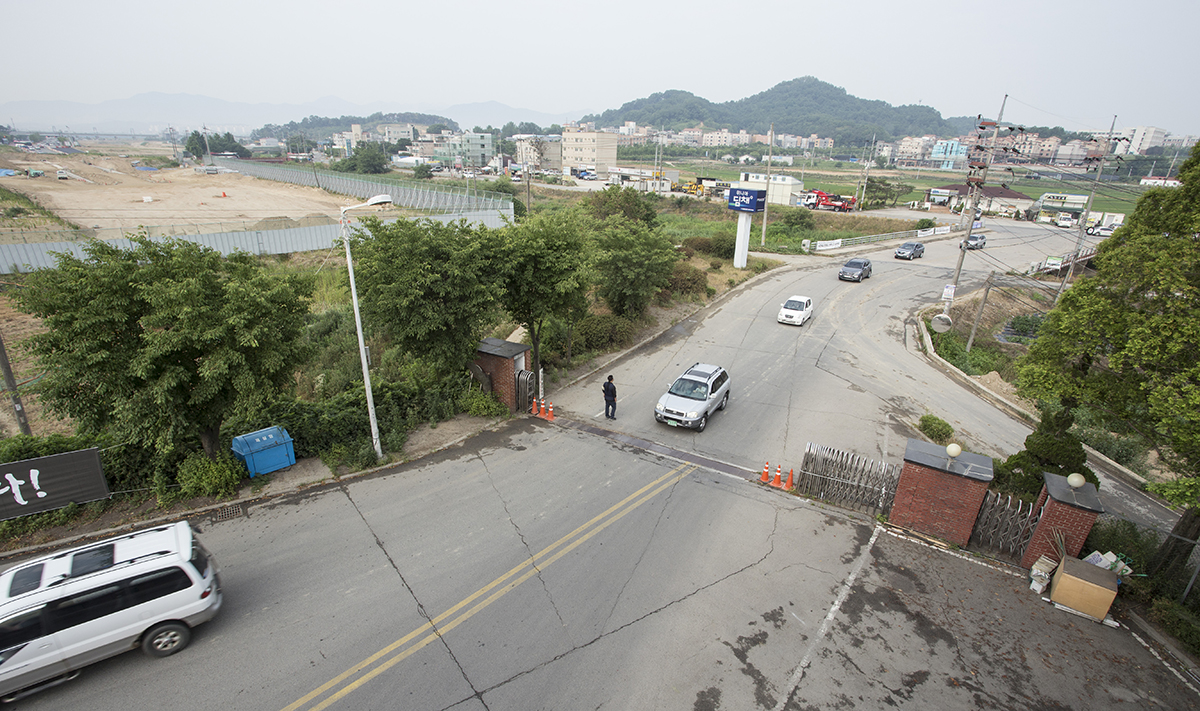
x: 91, y: 560
x: 26, y: 580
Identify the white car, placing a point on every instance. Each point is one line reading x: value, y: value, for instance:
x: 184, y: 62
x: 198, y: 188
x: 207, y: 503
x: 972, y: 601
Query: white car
x: 796, y: 310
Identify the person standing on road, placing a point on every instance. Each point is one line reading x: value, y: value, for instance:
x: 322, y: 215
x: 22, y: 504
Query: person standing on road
x: 610, y: 399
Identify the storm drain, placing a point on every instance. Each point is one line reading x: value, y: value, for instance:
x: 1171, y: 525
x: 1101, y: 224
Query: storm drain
x: 227, y: 513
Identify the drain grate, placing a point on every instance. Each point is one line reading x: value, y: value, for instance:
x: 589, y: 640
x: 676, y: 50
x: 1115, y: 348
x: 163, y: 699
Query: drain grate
x: 227, y: 513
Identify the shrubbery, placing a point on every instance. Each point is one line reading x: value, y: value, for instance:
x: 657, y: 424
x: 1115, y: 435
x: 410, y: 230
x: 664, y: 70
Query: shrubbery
x: 935, y: 428
x: 724, y: 244
x: 686, y: 279
x: 604, y: 332
x: 200, y: 476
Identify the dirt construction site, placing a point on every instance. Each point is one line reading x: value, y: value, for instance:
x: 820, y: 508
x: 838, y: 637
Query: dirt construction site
x: 107, y: 188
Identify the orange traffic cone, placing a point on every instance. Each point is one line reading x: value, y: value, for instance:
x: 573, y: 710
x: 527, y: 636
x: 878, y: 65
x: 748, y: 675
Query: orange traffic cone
x: 533, y: 410
x: 551, y: 415
x: 778, y: 473
x: 766, y: 477
x: 789, y: 484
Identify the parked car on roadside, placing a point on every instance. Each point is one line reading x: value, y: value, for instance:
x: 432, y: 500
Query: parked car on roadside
x: 694, y: 397
x: 910, y: 251
x: 856, y: 269
x: 796, y: 310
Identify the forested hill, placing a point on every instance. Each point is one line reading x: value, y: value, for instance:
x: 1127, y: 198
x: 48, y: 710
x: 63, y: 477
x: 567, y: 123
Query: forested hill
x: 318, y: 127
x: 800, y: 107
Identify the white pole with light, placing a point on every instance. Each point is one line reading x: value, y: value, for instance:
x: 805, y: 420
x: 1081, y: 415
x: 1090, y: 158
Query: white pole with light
x: 362, y: 346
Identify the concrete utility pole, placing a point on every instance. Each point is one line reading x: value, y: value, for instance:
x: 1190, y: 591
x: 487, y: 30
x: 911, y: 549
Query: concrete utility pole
x: 1087, y: 212
x: 10, y: 383
x: 976, y: 174
x: 979, y: 312
x: 770, y: 155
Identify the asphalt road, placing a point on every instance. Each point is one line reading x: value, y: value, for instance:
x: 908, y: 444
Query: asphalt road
x: 544, y: 567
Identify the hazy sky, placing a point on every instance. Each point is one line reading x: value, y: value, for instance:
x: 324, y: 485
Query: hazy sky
x: 1073, y: 63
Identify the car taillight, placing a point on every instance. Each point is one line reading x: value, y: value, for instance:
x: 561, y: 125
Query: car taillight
x: 207, y: 591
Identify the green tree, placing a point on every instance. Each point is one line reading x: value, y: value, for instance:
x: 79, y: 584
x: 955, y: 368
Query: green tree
x: 433, y: 287
x: 160, y: 343
x: 423, y: 171
x: 36, y: 137
x: 546, y: 272
x: 1124, y: 341
x: 634, y: 263
x: 436, y: 128
x: 195, y: 144
x: 625, y: 202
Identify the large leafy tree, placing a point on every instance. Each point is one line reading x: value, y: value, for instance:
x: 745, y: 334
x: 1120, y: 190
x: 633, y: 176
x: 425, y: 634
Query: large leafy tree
x: 625, y: 202
x: 433, y: 287
x: 546, y: 272
x: 1124, y: 341
x: 634, y: 263
x: 160, y: 343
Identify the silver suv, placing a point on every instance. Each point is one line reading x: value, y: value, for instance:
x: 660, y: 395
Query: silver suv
x: 694, y: 396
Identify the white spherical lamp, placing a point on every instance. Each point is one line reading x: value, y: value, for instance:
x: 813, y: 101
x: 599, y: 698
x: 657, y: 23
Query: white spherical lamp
x: 953, y: 450
x: 1076, y: 480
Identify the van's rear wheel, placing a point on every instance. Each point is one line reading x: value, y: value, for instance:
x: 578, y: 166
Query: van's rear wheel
x: 166, y: 639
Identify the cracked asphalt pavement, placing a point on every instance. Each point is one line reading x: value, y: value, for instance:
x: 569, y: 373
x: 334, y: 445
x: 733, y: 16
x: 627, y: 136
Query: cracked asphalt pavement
x: 539, y: 566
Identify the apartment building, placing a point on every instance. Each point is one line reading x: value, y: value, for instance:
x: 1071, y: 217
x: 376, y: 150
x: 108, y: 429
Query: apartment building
x: 539, y: 152
x: 588, y: 148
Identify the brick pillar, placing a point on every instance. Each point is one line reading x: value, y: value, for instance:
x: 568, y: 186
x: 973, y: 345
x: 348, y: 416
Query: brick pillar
x: 938, y: 495
x: 1070, y: 512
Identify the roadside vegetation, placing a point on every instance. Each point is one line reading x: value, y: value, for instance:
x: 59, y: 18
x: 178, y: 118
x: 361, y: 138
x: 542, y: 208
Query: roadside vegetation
x: 18, y: 212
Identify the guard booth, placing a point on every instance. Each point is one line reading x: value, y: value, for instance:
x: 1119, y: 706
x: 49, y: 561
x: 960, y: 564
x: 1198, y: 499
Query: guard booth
x: 265, y: 451
x: 503, y: 361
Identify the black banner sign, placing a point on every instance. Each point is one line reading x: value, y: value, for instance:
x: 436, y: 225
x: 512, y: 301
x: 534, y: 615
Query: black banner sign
x: 35, y: 485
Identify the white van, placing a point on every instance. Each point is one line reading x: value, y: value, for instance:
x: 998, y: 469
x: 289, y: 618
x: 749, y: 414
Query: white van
x: 62, y: 612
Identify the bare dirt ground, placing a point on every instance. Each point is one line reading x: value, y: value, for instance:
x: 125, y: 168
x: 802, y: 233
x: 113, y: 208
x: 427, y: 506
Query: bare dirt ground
x: 106, y: 190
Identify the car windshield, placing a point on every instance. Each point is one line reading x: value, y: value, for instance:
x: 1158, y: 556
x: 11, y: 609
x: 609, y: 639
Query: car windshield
x: 854, y: 264
x: 794, y: 305
x: 691, y: 389
x: 908, y: 245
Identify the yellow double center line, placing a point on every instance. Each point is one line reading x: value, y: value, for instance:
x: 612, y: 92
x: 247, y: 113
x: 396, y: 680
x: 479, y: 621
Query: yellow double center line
x: 398, y: 651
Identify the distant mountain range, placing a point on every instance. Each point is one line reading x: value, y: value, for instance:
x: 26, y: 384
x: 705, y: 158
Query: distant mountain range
x: 154, y: 112
x: 800, y: 107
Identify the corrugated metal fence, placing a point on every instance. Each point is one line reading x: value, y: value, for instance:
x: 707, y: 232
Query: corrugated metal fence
x: 425, y: 197
x: 22, y: 258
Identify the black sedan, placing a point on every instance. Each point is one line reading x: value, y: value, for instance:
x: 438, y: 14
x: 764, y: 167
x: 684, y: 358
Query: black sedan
x: 856, y: 269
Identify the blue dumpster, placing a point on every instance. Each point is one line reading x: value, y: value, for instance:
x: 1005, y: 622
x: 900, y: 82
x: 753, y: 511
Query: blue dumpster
x: 265, y: 451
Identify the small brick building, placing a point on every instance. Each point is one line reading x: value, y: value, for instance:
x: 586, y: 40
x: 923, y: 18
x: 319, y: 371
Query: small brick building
x: 1070, y: 512
x: 502, y: 360
x: 938, y: 495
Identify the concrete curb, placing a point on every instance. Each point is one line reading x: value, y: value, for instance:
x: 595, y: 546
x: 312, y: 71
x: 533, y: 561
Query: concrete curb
x: 1184, y: 659
x: 244, y: 501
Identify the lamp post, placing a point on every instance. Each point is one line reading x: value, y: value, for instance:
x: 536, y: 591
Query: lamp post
x: 362, y: 346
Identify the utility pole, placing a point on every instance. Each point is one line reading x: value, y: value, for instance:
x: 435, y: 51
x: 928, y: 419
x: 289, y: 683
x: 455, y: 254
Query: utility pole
x: 978, y: 161
x: 770, y: 154
x: 1087, y: 212
x: 979, y: 312
x: 10, y: 383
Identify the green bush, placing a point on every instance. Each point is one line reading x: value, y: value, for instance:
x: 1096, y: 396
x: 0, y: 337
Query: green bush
x: 1027, y: 325
x: 703, y: 245
x: 686, y: 279
x: 724, y: 244
x: 200, y: 476
x: 601, y: 332
x: 925, y: 224
x: 477, y: 403
x: 1178, y: 621
x: 935, y: 428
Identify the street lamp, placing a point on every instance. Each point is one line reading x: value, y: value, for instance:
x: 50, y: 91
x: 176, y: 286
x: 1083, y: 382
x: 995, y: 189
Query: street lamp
x: 362, y: 346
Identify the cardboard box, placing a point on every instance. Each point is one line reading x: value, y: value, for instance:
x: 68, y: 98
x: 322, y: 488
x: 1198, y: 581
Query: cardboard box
x: 1084, y: 587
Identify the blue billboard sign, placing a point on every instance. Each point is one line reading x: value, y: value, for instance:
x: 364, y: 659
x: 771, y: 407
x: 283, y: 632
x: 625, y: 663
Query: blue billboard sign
x: 744, y: 200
